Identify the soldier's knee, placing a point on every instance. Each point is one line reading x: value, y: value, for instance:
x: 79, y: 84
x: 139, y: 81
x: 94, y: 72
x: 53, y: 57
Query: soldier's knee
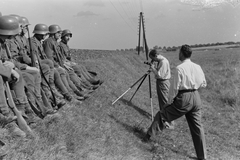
x: 45, y: 68
x: 61, y: 71
x: 48, y: 62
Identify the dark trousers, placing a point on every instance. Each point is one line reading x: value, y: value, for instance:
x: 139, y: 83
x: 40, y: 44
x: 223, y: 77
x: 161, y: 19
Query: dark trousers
x: 188, y: 104
x: 162, y: 87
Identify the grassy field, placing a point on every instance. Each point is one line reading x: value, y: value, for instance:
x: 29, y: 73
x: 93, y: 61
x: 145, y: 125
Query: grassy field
x: 98, y: 130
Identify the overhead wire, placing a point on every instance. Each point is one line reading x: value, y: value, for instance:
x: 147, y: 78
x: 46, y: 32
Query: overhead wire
x: 121, y: 16
x: 126, y: 13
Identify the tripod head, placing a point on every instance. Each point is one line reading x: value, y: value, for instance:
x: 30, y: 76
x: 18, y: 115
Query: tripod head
x: 148, y: 63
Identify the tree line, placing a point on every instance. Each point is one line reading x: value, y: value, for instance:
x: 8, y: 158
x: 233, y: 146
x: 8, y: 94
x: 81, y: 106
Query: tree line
x: 174, y: 48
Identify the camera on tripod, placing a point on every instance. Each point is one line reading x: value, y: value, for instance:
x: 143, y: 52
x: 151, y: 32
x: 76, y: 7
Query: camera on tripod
x: 149, y: 63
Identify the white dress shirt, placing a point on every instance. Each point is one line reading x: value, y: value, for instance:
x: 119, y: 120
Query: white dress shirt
x: 162, y: 70
x: 188, y: 75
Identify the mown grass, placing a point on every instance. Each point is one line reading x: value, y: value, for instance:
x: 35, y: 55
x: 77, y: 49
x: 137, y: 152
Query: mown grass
x: 97, y: 130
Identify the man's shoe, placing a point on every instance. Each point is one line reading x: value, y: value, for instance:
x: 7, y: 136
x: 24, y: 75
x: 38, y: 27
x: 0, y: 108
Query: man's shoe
x: 14, y: 130
x: 146, y: 138
x: 169, y: 125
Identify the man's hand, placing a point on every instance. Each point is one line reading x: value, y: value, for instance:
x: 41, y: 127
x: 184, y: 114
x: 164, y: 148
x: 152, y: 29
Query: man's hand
x: 152, y: 67
x: 68, y: 68
x: 9, y: 64
x: 15, y: 75
x: 35, y: 69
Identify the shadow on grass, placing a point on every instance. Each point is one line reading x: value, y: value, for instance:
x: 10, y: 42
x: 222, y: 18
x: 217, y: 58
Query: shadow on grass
x: 136, y: 130
x: 141, y: 111
x: 155, y: 145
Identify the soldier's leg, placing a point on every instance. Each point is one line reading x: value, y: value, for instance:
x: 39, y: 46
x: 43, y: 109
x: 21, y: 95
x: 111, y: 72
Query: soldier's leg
x: 82, y: 71
x: 74, y: 81
x: 19, y: 96
x: 7, y: 119
x: 4, y: 109
x: 63, y: 75
x: 32, y: 95
x: 45, y: 78
x: 60, y: 85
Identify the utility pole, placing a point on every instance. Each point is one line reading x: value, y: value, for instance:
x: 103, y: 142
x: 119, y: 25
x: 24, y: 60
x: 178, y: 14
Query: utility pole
x: 139, y: 33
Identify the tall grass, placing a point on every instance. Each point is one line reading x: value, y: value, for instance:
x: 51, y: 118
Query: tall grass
x: 223, y: 82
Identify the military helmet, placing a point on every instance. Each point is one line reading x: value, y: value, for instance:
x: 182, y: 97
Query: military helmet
x: 54, y: 29
x: 25, y: 21
x: 66, y: 32
x: 9, y: 25
x: 41, y: 29
x: 18, y: 18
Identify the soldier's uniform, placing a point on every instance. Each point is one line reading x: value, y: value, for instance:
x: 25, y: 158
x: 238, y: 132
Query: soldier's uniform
x: 10, y: 26
x: 50, y: 46
x: 80, y: 70
x: 40, y: 30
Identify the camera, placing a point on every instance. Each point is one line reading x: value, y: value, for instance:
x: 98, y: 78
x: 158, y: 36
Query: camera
x: 149, y: 63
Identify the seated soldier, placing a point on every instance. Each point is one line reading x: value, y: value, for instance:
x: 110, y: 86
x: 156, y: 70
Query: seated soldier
x: 80, y: 70
x: 50, y: 47
x: 9, y: 26
x: 31, y: 75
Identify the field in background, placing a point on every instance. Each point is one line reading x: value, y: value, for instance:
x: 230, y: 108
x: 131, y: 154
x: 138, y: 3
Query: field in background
x: 97, y: 130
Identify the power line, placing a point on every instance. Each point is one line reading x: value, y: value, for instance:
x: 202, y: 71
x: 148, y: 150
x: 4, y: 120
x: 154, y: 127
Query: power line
x: 125, y: 12
x: 121, y: 16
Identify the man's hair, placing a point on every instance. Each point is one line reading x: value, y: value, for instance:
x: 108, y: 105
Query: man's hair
x: 153, y: 53
x: 186, y: 51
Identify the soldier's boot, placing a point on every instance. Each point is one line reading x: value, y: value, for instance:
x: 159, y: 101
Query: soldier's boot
x: 32, y: 117
x: 4, y: 120
x: 24, y: 109
x: 81, y: 94
x: 59, y: 102
x: 14, y: 130
x: 68, y: 96
x: 45, y: 105
x: 56, y: 93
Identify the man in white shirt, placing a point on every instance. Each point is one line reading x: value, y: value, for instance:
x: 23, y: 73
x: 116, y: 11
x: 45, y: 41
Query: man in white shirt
x: 184, y: 99
x: 162, y: 74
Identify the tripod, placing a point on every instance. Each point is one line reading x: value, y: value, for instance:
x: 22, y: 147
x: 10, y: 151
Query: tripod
x: 142, y: 80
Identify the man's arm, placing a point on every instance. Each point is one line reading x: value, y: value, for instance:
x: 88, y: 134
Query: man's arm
x: 49, y: 51
x: 5, y: 71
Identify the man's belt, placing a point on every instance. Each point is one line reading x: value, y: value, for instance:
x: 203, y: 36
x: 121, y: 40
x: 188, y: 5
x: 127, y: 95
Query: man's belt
x: 186, y: 90
x: 162, y: 79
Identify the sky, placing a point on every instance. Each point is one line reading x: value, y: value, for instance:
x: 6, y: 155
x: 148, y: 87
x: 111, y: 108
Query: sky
x: 114, y: 24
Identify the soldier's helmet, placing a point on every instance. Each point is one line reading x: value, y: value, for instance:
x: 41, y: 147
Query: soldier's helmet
x: 66, y: 32
x: 18, y: 18
x: 25, y: 21
x: 41, y: 29
x: 9, y: 25
x: 54, y: 29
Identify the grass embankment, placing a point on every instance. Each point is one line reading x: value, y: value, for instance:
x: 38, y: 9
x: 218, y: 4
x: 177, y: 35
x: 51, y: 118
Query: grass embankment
x: 96, y: 129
